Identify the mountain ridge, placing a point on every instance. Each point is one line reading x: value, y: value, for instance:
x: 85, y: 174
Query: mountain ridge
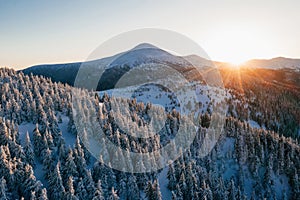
x: 282, y: 62
x: 117, y: 65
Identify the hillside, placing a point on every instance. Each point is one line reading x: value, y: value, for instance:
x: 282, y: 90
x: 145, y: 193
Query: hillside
x: 49, y: 162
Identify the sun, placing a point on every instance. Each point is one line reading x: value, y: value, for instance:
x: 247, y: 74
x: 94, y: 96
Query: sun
x: 235, y: 45
x: 236, y: 64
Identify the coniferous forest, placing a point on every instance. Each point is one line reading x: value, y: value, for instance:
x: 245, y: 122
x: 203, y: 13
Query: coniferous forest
x: 43, y: 156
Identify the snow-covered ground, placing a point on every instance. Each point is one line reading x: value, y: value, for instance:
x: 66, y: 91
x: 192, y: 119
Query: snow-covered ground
x: 70, y: 138
x: 163, y: 184
x: 184, y: 100
x: 253, y: 124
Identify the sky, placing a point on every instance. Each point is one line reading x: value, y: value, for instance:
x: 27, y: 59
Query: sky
x: 37, y: 32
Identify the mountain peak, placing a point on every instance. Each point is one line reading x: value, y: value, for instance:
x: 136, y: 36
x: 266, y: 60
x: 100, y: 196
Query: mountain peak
x: 145, y: 46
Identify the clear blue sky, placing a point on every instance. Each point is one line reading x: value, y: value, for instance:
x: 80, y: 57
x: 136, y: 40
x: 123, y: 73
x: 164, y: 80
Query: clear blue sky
x: 34, y: 32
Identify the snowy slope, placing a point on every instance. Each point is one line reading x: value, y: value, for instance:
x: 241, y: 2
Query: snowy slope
x: 206, y: 95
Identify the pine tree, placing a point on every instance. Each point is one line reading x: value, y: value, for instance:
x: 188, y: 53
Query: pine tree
x: 171, y: 177
x: 32, y: 196
x: 29, y: 154
x: 267, y: 176
x: 79, y: 157
x: 178, y: 193
x: 42, y: 117
x: 105, y: 186
x: 28, y: 182
x: 111, y: 177
x: 241, y: 178
x: 220, y: 189
x: 4, y: 135
x: 48, y: 137
x: 48, y: 161
x: 61, y: 148
x: 157, y: 193
x: 98, y: 169
x: 122, y: 189
x: 81, y: 191
x: 39, y: 190
x: 89, y: 183
x: 70, y: 192
x: 57, y: 190
x: 98, y: 193
x: 85, y: 142
x: 295, y: 185
x: 4, y: 195
x: 113, y: 195
x: 153, y: 191
x: 43, y: 195
x: 190, y: 181
x: 149, y: 191
x: 174, y: 197
x: 239, y: 194
x: 4, y: 163
x: 70, y: 168
x: 209, y: 194
x: 183, y: 186
x: 37, y: 141
x: 132, y: 188
x: 231, y: 190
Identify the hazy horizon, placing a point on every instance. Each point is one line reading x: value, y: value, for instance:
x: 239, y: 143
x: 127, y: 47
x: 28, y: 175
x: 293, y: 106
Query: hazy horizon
x: 75, y: 61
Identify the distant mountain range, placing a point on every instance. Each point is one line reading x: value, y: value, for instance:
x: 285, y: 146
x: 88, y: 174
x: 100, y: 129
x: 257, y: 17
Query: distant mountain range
x: 275, y: 63
x: 116, y: 66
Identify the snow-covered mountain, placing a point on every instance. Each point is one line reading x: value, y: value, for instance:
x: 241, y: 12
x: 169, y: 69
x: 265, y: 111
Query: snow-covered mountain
x: 145, y: 55
x: 116, y: 66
